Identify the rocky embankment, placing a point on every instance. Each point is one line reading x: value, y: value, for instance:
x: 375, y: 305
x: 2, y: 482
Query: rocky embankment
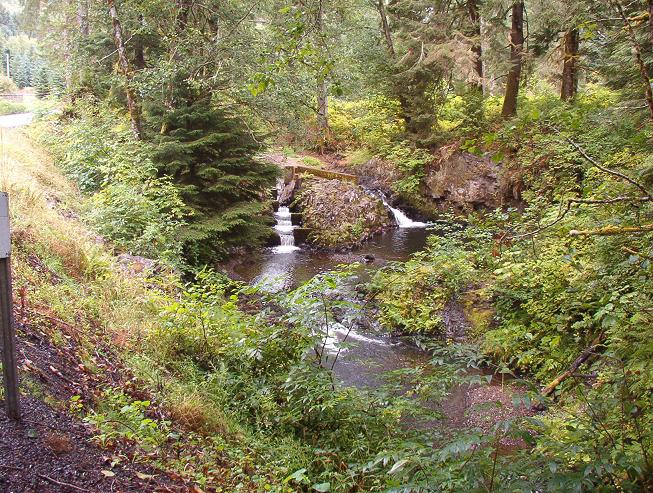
x: 454, y: 180
x: 340, y: 214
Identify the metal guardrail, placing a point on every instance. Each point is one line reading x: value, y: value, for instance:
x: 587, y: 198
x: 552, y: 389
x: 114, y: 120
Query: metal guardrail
x: 17, y: 97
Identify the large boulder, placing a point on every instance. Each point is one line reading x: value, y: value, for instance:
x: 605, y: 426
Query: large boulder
x: 465, y: 181
x: 340, y: 214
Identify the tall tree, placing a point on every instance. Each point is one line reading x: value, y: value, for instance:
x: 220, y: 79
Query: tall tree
x: 516, y: 59
x: 322, y: 84
x: 569, y: 86
x: 133, y: 104
x: 477, y: 47
x: 385, y: 27
x: 209, y: 154
x: 638, y: 52
x: 82, y: 18
x: 650, y: 21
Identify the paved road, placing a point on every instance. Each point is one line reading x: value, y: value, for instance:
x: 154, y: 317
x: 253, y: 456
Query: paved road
x: 16, y: 120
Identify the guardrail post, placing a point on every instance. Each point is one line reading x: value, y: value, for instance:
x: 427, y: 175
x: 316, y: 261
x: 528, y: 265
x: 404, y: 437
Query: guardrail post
x: 8, y: 340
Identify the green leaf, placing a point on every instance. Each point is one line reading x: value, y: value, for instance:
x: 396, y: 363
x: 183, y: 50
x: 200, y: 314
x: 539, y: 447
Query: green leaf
x: 398, y: 466
x: 299, y: 476
x: 322, y: 487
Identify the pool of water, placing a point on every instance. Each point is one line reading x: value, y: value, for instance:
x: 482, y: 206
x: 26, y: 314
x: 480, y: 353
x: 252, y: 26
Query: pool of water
x: 366, y: 355
x: 284, y: 270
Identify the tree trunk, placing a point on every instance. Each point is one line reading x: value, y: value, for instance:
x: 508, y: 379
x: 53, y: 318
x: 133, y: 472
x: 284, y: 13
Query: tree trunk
x: 477, y: 49
x: 322, y: 87
x: 323, y: 107
x: 637, y: 49
x: 389, y: 44
x: 385, y: 26
x: 82, y: 17
x: 516, y: 53
x: 67, y: 47
x: 139, y: 49
x: 650, y: 21
x: 570, y: 66
x: 132, y: 101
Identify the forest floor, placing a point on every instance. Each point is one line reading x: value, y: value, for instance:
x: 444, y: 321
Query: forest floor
x: 51, y: 449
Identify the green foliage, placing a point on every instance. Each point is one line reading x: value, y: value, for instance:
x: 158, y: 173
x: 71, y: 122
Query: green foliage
x: 312, y: 161
x: 120, y: 418
x: 412, y: 295
x: 373, y: 123
x: 7, y: 85
x: 208, y: 154
x: 9, y: 107
x: 373, y: 126
x: 127, y: 203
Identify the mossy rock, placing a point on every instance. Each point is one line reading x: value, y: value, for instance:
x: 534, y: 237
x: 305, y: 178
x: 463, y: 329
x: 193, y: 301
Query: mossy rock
x: 477, y: 305
x: 340, y: 214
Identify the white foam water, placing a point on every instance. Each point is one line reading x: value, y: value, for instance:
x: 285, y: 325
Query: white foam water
x: 402, y: 220
x: 285, y: 229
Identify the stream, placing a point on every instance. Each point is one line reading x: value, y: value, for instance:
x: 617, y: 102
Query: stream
x: 367, y: 356
x: 283, y: 267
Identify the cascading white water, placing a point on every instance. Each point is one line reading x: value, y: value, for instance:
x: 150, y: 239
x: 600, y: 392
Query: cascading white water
x: 285, y: 229
x: 403, y: 221
x: 284, y: 226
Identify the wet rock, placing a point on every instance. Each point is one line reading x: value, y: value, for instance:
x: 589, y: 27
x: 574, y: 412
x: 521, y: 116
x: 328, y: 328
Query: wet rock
x: 455, y: 321
x: 287, y: 192
x: 478, y: 309
x: 378, y: 174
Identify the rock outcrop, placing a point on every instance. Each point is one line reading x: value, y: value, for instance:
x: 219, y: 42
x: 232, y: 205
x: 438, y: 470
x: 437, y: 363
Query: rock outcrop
x: 340, y: 214
x: 465, y: 181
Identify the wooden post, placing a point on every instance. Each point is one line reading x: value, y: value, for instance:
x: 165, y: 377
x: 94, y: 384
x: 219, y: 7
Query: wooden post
x: 9, y: 367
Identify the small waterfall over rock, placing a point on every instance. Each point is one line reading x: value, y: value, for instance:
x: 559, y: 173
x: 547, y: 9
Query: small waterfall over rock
x: 284, y: 226
x: 402, y: 220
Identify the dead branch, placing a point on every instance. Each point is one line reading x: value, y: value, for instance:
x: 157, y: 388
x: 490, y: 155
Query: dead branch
x: 612, y: 230
x: 567, y: 208
x: 635, y: 252
x: 596, y: 164
x: 584, y: 356
x: 61, y: 483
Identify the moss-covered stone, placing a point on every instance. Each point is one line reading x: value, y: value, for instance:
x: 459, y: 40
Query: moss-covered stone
x: 480, y: 313
x: 340, y: 214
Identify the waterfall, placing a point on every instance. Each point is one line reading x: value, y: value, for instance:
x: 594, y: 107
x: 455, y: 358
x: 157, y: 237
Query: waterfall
x: 284, y: 226
x: 402, y: 220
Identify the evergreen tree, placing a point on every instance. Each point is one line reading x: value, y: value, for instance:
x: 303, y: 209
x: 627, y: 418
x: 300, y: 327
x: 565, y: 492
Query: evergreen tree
x: 21, y: 69
x: 42, y: 81
x: 210, y: 155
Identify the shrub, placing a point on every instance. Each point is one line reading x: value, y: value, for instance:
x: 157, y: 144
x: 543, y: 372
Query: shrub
x: 412, y: 295
x: 127, y: 203
x: 7, y: 85
x: 373, y: 123
x: 9, y: 107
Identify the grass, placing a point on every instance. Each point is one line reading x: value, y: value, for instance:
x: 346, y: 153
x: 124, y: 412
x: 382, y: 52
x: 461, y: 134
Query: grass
x: 69, y: 274
x: 10, y: 107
